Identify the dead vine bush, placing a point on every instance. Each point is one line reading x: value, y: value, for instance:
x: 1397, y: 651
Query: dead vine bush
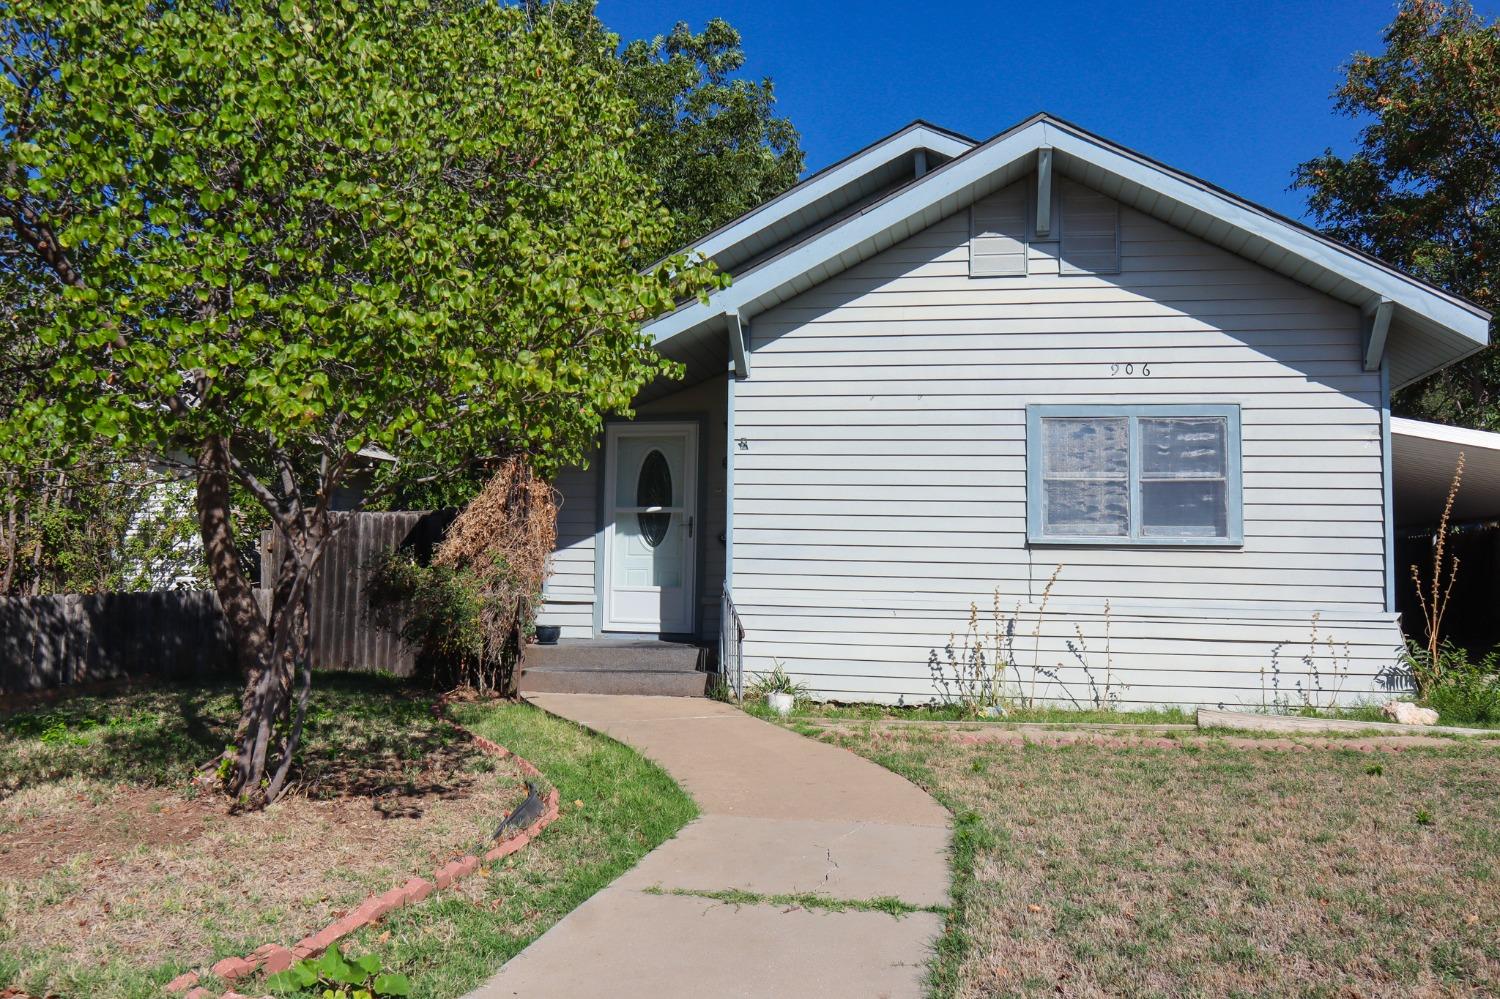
x: 467, y: 614
x: 504, y: 538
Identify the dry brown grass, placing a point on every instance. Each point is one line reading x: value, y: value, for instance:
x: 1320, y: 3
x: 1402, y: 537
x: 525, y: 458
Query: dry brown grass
x: 107, y: 884
x: 1086, y: 870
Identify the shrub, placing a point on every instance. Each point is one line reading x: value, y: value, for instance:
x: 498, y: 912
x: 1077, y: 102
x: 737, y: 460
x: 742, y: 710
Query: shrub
x: 1434, y: 593
x: 436, y: 611
x: 981, y: 673
x: 778, y: 681
x: 469, y: 613
x: 1326, y: 666
x: 1460, y: 690
x: 972, y: 671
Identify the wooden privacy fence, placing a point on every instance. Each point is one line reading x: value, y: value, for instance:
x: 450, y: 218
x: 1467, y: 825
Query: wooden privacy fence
x: 342, y: 634
x: 72, y: 638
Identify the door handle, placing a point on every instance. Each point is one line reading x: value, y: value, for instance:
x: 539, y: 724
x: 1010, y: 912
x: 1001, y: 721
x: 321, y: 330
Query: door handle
x: 689, y: 526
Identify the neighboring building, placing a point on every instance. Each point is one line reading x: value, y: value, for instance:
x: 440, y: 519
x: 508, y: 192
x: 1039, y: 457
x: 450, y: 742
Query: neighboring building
x: 946, y: 368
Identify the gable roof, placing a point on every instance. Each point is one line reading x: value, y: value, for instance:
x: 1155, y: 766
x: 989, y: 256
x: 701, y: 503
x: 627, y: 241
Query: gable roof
x: 874, y: 170
x: 1429, y: 327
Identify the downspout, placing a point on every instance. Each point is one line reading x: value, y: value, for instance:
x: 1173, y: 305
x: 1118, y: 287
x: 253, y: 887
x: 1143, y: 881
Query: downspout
x: 739, y: 367
x: 731, y: 637
x: 1387, y: 485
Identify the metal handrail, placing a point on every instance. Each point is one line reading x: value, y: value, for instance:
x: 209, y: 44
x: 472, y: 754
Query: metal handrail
x: 731, y: 647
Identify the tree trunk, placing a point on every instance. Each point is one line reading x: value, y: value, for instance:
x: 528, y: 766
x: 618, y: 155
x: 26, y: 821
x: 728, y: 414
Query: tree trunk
x: 272, y: 645
x: 248, y: 627
x: 8, y: 546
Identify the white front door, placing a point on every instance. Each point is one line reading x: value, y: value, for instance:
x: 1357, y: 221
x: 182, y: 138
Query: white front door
x: 650, y: 542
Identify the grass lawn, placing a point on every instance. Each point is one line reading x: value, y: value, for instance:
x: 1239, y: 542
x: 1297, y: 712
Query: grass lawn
x: 115, y: 875
x: 1087, y: 871
x: 616, y: 807
x: 1373, y: 713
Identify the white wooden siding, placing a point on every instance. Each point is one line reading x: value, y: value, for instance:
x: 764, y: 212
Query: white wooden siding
x: 884, y: 489
x: 569, y: 594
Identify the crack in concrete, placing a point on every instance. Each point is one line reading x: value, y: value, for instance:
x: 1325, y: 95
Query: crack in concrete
x: 890, y: 905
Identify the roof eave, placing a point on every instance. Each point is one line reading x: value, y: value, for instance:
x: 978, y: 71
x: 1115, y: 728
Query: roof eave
x: 963, y: 179
x: 916, y: 135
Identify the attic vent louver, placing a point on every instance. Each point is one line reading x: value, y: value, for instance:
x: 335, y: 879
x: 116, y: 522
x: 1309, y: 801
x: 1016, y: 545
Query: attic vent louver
x: 1090, y: 232
x: 997, y: 247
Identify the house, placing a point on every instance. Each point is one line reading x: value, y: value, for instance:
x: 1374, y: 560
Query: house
x: 1144, y: 418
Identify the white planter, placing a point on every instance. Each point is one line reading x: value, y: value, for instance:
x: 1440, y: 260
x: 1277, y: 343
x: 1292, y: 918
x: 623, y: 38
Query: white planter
x: 781, y: 703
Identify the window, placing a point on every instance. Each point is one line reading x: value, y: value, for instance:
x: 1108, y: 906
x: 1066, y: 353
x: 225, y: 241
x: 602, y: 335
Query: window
x: 653, y: 489
x: 1133, y: 475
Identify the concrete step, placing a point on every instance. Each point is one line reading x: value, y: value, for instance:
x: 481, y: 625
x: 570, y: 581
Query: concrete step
x: 614, y: 654
x: 615, y: 666
x: 660, y: 683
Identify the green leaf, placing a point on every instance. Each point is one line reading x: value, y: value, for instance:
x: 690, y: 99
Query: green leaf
x: 258, y: 204
x: 392, y: 985
x: 368, y: 963
x: 335, y: 968
x: 294, y: 979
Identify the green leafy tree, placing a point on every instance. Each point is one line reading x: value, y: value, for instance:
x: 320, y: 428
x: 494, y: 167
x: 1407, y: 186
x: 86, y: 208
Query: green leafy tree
x: 707, y: 139
x: 1423, y: 189
x: 268, y: 235
x: 96, y: 525
x: 710, y: 141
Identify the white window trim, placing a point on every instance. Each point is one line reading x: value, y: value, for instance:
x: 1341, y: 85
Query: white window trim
x: 1234, y: 475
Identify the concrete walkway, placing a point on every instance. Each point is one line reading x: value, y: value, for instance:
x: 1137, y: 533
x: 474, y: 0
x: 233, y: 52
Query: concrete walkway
x: 781, y: 815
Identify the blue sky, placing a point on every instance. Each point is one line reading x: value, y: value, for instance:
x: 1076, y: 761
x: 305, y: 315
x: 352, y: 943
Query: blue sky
x: 1236, y: 93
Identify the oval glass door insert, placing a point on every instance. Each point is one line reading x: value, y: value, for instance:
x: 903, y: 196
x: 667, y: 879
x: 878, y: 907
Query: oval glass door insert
x: 654, y: 488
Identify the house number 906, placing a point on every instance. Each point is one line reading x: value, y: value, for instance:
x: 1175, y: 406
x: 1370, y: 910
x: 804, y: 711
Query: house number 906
x: 1130, y: 369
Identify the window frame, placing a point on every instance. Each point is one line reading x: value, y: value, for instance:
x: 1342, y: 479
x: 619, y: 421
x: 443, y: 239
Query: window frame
x: 1134, y: 413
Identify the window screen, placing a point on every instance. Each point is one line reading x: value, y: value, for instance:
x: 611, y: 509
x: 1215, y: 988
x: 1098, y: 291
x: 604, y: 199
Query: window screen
x: 1183, y: 478
x: 1133, y: 475
x: 1086, y: 478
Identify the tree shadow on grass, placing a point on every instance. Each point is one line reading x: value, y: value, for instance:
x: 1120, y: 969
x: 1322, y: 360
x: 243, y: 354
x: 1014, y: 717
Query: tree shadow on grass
x: 144, y: 736
x: 366, y: 736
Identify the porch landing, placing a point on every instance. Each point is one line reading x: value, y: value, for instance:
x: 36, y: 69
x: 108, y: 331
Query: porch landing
x: 615, y: 666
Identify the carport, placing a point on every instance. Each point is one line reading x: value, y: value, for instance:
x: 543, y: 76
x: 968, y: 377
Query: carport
x: 1423, y: 459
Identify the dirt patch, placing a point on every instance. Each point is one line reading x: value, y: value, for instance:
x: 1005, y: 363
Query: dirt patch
x: 104, y: 880
x: 103, y: 824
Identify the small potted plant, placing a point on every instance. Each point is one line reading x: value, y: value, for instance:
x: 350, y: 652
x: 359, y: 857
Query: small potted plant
x: 780, y: 690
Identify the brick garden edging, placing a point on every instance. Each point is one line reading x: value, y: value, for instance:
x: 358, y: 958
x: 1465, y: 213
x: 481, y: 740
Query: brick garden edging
x: 272, y: 958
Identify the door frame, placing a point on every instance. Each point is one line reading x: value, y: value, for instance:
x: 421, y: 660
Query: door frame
x: 696, y: 421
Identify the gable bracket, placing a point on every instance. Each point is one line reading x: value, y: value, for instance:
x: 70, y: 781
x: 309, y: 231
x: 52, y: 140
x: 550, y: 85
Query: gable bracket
x: 738, y: 354
x: 1378, y: 327
x: 1044, y: 191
